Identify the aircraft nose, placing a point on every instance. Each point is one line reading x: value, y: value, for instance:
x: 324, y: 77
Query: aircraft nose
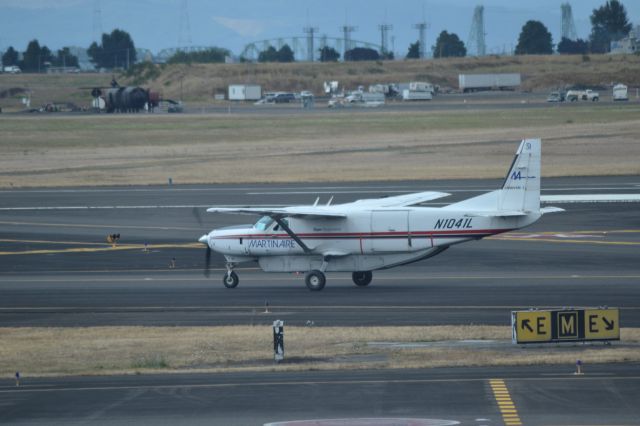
x: 204, y: 239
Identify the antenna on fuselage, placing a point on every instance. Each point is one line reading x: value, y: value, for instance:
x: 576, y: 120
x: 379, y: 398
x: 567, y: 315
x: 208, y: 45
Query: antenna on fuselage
x: 316, y: 203
x: 330, y: 200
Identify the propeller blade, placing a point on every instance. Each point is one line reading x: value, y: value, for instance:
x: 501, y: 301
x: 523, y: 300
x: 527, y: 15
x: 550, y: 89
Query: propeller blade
x: 196, y: 213
x: 207, y: 262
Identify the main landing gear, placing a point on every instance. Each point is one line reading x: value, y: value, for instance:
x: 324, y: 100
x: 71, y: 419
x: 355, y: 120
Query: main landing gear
x: 315, y: 280
x: 362, y: 278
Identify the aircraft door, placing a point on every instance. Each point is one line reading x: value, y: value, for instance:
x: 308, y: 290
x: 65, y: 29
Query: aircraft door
x: 390, y: 231
x: 418, y: 239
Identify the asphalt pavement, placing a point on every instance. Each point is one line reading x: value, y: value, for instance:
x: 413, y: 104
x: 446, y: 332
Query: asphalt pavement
x: 537, y: 395
x: 56, y: 268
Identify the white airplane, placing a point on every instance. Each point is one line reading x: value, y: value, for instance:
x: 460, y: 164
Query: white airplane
x: 372, y: 234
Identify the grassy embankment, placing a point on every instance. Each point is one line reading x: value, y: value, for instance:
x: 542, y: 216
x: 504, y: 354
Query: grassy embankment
x: 198, y: 82
x: 343, y: 145
x: 117, y: 350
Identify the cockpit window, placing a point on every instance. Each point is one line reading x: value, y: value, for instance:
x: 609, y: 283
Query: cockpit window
x: 264, y: 223
x: 277, y: 227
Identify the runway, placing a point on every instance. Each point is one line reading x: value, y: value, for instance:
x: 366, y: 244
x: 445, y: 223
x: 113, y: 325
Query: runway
x: 56, y: 268
x: 539, y: 395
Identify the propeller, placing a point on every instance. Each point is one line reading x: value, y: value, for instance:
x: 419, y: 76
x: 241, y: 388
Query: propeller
x: 207, y: 261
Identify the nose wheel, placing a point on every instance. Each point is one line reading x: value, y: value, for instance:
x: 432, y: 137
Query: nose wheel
x: 230, y: 279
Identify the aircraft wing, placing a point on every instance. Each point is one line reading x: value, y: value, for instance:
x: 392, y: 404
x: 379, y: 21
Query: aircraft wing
x: 401, y: 200
x: 296, y: 211
x: 590, y: 198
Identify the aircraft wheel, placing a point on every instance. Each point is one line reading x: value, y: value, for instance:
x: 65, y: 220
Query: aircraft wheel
x: 230, y: 280
x: 362, y: 278
x: 315, y: 280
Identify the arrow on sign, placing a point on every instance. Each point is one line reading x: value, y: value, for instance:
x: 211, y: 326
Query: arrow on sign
x: 608, y: 325
x: 525, y: 324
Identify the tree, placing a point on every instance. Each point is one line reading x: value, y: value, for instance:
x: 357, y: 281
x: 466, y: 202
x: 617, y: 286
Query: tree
x: 414, y: 51
x: 329, y: 54
x: 10, y: 57
x: 608, y: 23
x: 361, y: 54
x: 64, y: 58
x: 284, y: 54
x: 211, y: 55
x: 534, y: 39
x: 448, y: 45
x: 571, y: 47
x: 34, y: 58
x: 116, y: 50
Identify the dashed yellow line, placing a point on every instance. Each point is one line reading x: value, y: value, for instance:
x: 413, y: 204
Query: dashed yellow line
x: 506, y: 406
x: 549, y: 240
x: 99, y: 249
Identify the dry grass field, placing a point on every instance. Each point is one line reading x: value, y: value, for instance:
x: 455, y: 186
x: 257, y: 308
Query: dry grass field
x: 198, y: 83
x: 539, y: 73
x: 63, y: 150
x: 116, y: 350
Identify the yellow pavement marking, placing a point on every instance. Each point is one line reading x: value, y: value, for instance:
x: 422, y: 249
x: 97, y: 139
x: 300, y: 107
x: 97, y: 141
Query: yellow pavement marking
x: 104, y: 247
x: 76, y: 225
x: 547, y: 240
x: 506, y: 406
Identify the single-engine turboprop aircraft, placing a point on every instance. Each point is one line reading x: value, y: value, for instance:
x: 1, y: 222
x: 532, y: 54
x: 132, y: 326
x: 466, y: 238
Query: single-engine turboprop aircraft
x: 368, y: 235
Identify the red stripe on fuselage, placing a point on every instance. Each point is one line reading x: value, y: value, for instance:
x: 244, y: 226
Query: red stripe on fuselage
x: 430, y: 234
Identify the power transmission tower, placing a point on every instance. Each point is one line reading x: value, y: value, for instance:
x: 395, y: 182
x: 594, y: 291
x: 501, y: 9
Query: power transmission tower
x: 476, y: 35
x: 184, y: 28
x: 384, y: 36
x: 568, y: 26
x: 310, y: 31
x: 97, y: 21
x: 422, y: 40
x: 346, y: 31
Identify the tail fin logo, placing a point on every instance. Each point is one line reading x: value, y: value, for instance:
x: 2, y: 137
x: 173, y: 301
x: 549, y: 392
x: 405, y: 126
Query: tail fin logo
x: 518, y: 176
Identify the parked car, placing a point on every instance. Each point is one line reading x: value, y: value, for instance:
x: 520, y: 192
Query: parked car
x: 555, y: 97
x: 284, y: 98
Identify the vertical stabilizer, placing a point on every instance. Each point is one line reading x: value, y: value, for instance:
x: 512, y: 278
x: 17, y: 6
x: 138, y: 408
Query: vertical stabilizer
x: 521, y: 188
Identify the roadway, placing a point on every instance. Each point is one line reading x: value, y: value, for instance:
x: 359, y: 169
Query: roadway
x: 537, y: 395
x: 57, y: 270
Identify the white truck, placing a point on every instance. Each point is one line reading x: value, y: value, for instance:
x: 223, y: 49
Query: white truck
x: 12, y: 69
x: 244, y: 92
x: 620, y: 92
x: 582, y: 95
x: 475, y: 82
x: 412, y: 95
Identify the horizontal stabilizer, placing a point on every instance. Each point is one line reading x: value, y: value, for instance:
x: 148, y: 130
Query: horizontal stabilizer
x: 591, y: 198
x: 546, y: 210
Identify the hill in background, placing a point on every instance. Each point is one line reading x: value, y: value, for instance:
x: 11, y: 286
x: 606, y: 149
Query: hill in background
x: 539, y: 73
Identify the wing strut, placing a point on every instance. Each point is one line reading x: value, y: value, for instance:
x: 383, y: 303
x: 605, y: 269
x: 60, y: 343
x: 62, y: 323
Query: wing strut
x: 288, y: 230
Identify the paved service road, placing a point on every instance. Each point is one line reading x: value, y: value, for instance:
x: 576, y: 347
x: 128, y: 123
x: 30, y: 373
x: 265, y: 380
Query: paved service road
x: 56, y: 268
x: 607, y: 394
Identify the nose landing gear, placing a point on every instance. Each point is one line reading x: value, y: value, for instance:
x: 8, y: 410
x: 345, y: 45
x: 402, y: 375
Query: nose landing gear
x: 230, y: 279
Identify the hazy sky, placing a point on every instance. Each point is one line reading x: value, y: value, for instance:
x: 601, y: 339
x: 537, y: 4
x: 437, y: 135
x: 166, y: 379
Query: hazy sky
x: 154, y: 24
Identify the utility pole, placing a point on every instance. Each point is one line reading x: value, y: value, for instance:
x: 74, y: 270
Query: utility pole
x: 346, y: 31
x: 310, y: 31
x: 384, y: 42
x: 422, y: 40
